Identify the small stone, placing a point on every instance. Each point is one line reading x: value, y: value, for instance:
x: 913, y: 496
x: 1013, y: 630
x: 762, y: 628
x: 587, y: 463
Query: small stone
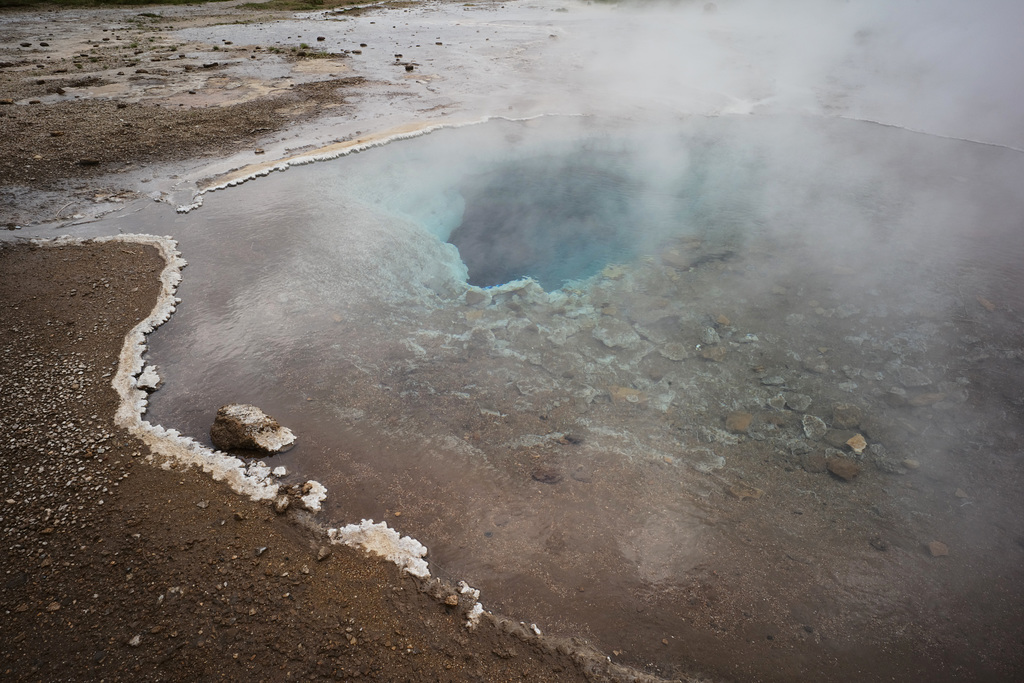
x: 738, y: 422
x: 911, y: 464
x: 616, y: 334
x: 135, y: 641
x: 281, y: 504
x: 53, y: 607
x: 960, y: 493
x: 260, y: 551
x: 709, y: 336
x: 773, y: 381
x: 778, y: 402
x: 814, y: 427
x: 857, y: 444
x: 938, y: 549
x: 714, y: 353
x: 844, y: 468
x: 846, y: 416
x: 452, y: 600
x: 239, y: 517
x: 722, y: 320
x: 798, y: 402
x: 546, y: 474
x: 203, y: 504
x: 323, y: 553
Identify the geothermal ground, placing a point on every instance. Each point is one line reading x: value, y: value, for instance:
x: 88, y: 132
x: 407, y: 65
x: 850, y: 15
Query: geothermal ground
x: 799, y: 473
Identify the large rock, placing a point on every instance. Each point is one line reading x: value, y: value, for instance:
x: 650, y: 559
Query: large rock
x: 244, y: 427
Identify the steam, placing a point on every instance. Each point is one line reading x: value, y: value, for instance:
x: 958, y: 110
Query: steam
x: 943, y: 67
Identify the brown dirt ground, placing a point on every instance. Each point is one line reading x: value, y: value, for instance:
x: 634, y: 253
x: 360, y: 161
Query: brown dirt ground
x: 90, y: 138
x: 116, y: 570
x: 93, y: 96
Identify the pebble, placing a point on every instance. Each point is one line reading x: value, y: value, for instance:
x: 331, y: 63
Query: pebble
x: 938, y: 549
x: 846, y: 416
x: 844, y: 468
x: 857, y: 444
x: 814, y: 427
x: 709, y: 336
x: 616, y: 334
x: 798, y: 402
x: 546, y: 474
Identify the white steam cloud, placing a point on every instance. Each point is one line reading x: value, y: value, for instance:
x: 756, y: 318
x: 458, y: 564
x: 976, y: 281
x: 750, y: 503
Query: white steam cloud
x: 939, y: 66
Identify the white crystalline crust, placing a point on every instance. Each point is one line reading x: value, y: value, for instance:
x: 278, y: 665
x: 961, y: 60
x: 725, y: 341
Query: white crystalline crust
x: 177, y: 450
x: 316, y: 494
x: 379, y: 539
x: 473, y: 616
x: 339, y: 150
x: 148, y: 379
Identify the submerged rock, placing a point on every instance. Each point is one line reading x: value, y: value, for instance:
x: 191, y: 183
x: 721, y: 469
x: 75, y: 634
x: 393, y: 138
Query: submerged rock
x: 814, y: 427
x: 245, y: 427
x: 616, y: 334
x: 843, y: 468
x: 846, y: 416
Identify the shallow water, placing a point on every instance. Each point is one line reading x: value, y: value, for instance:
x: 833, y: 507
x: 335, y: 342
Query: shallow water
x: 566, y: 450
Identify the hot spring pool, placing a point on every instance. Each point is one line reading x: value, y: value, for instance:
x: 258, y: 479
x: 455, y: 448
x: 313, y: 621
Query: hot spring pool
x: 608, y: 373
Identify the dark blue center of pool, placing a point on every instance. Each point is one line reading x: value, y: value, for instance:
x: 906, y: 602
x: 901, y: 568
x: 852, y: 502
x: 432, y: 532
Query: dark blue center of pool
x: 555, y: 219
